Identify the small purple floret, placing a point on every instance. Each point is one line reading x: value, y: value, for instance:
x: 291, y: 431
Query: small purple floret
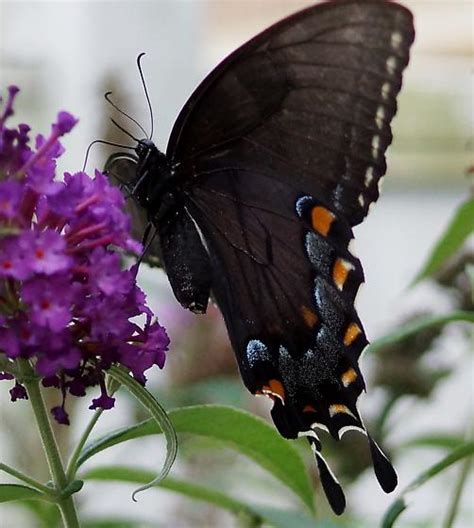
x: 60, y: 415
x: 18, y: 392
x: 103, y: 402
x: 66, y: 302
x: 65, y: 123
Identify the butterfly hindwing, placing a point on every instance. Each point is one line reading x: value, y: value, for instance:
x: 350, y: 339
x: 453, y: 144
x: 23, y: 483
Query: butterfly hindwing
x: 289, y: 303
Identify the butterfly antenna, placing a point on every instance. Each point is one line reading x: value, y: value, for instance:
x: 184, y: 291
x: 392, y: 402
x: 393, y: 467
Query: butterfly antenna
x: 109, y: 100
x: 102, y: 141
x: 124, y: 130
x: 142, y: 77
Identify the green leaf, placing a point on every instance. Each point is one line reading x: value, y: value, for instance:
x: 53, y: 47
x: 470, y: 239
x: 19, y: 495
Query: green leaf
x: 275, y: 517
x: 239, y: 430
x: 46, y: 514
x: 461, y: 226
x: 470, y: 275
x: 159, y: 417
x: 16, y: 492
x: 291, y: 519
x: 397, y: 507
x: 419, y: 324
x: 400, y: 504
x: 195, y: 491
x: 435, y: 440
x: 113, y: 523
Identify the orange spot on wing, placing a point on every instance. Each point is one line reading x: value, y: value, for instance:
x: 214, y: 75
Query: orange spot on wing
x: 276, y: 386
x: 337, y: 408
x: 309, y: 316
x: 272, y: 389
x: 352, y: 333
x: 321, y: 218
x: 348, y: 377
x: 340, y: 271
x: 308, y: 408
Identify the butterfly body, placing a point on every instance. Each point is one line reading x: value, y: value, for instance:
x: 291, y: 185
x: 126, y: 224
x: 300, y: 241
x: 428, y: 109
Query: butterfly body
x: 273, y: 160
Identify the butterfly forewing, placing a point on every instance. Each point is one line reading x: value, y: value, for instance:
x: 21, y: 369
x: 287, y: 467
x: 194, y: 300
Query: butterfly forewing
x: 314, y: 93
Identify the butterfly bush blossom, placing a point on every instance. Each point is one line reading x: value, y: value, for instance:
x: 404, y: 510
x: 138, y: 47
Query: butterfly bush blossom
x: 65, y: 302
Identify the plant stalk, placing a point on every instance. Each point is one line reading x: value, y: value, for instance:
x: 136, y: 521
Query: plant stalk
x: 454, y: 506
x: 50, y: 446
x: 72, y: 465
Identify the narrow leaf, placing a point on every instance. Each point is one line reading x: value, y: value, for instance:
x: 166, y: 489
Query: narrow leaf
x: 113, y: 523
x: 419, y: 324
x: 275, y: 517
x: 397, y: 508
x: 195, y: 491
x: 159, y: 417
x: 461, y: 226
x: 16, y: 492
x: 400, y: 504
x: 238, y: 429
x: 46, y: 514
x: 435, y: 440
x: 278, y: 518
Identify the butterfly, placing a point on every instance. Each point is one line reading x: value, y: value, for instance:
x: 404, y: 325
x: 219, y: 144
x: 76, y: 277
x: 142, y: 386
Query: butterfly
x: 273, y: 160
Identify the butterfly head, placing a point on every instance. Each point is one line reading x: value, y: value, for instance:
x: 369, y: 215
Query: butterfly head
x: 146, y: 148
x: 142, y: 176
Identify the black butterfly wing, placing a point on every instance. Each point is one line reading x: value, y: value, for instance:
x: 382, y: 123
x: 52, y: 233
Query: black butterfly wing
x: 281, y: 272
x: 277, y: 155
x: 285, y: 282
x: 313, y: 94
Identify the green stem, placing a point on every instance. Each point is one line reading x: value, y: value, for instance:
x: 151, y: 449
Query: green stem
x: 380, y: 424
x: 72, y: 465
x: 50, y: 447
x: 458, y: 489
x: 27, y: 479
x: 453, y: 508
x: 112, y: 387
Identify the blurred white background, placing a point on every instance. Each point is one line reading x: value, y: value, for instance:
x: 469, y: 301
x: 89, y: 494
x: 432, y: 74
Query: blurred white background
x: 65, y: 55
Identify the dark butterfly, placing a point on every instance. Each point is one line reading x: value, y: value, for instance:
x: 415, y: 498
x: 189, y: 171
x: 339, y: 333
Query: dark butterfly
x: 272, y: 161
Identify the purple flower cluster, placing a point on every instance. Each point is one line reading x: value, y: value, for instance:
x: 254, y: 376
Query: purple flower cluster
x: 65, y: 302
